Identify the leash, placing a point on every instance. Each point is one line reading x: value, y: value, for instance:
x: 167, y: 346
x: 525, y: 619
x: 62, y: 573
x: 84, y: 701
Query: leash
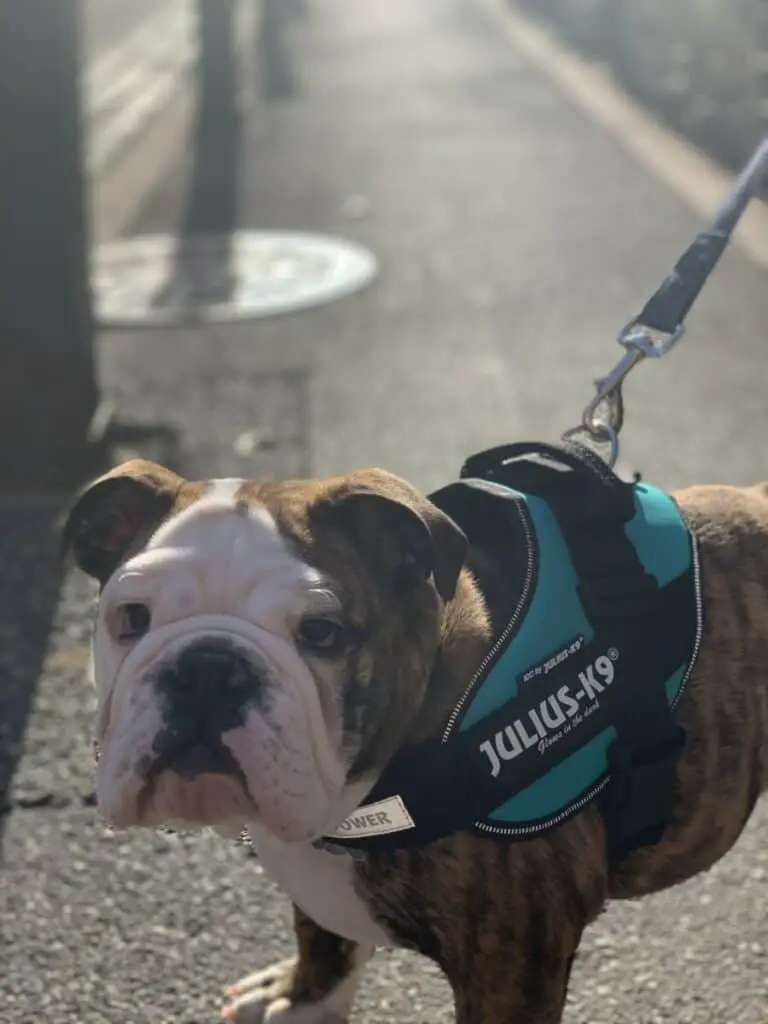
x: 660, y: 325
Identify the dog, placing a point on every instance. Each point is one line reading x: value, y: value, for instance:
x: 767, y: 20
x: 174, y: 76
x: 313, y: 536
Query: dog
x: 263, y: 650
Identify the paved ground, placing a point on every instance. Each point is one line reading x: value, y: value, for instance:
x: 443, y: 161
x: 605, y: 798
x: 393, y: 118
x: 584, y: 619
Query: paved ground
x: 701, y: 64
x: 514, y: 238
x: 135, y: 57
x: 107, y: 22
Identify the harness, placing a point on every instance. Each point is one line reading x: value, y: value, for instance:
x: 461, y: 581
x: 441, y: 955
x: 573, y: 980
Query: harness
x: 575, y: 700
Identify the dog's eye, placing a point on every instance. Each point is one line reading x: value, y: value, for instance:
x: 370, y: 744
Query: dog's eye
x: 132, y: 620
x: 319, y: 634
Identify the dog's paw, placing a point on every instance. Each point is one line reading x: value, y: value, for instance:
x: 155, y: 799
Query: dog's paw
x: 262, y: 998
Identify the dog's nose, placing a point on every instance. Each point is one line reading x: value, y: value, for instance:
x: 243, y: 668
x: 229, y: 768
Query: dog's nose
x: 208, y: 687
x: 209, y: 670
x: 204, y: 693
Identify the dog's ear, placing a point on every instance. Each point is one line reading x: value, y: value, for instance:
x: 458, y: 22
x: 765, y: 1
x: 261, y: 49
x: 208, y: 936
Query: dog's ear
x: 399, y: 530
x: 115, y: 513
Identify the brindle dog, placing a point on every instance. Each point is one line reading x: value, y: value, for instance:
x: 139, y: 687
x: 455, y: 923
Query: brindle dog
x: 502, y: 920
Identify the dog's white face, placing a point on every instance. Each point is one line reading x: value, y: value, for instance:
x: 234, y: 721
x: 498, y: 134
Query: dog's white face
x: 218, y: 675
x: 251, y: 657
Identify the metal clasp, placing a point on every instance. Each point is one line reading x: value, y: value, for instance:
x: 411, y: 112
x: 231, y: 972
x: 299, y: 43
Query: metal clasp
x: 603, y: 417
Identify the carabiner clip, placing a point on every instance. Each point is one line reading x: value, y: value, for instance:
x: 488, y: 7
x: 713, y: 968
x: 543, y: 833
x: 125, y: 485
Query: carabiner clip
x: 603, y: 417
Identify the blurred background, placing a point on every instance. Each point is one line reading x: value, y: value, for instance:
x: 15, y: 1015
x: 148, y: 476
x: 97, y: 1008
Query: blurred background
x: 288, y: 237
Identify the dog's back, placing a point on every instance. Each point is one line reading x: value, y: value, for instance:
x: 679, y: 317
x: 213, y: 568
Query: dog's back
x: 724, y: 767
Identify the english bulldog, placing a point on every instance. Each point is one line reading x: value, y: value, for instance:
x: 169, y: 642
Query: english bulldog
x: 261, y: 652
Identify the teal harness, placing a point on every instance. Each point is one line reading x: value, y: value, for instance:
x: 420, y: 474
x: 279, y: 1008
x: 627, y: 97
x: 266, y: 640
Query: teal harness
x: 555, y: 628
x: 574, y: 702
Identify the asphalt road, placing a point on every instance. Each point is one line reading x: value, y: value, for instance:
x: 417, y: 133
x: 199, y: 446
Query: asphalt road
x: 515, y: 237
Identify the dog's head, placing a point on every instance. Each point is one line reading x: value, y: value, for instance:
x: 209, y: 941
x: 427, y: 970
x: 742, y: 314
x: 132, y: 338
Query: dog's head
x: 259, y: 648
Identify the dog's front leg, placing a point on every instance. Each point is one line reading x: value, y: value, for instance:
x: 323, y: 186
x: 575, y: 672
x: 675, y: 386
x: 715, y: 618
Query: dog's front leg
x: 519, y: 988
x: 318, y: 986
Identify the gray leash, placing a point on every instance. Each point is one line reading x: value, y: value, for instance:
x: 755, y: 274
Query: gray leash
x: 661, y: 323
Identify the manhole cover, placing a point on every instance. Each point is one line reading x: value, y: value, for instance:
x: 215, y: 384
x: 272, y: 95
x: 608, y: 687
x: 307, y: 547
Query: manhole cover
x: 166, y: 280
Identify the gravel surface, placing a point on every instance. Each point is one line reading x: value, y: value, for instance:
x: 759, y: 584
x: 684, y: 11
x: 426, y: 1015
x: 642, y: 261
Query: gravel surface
x: 515, y: 237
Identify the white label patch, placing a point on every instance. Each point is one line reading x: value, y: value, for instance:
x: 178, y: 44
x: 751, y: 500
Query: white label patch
x: 377, y: 819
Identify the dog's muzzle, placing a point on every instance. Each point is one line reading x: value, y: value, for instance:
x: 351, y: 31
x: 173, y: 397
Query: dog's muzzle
x: 217, y: 730
x: 204, y: 694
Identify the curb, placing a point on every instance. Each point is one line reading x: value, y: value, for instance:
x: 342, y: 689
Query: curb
x: 678, y: 163
x: 700, y: 65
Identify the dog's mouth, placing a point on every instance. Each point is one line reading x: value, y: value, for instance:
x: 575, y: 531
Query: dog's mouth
x: 189, y: 755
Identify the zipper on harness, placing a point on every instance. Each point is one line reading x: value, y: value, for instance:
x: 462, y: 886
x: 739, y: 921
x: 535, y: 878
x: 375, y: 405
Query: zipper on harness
x: 511, y: 626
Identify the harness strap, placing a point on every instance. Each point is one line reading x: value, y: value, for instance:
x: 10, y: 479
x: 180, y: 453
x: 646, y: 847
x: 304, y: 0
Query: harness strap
x: 592, y: 509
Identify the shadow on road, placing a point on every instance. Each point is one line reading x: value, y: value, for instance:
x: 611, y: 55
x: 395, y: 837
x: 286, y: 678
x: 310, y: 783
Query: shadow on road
x: 202, y: 271
x: 274, y: 58
x: 30, y: 582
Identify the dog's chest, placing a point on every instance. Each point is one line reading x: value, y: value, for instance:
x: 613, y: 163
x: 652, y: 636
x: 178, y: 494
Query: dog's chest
x: 323, y: 885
